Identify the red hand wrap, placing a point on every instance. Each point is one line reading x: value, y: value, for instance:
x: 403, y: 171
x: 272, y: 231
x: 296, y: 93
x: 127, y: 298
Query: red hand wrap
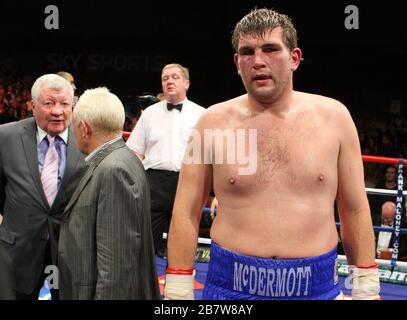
x: 180, y: 271
x: 373, y: 266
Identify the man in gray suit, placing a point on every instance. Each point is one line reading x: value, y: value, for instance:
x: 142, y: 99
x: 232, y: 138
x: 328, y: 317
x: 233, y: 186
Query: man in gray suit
x: 106, y: 246
x: 35, y: 187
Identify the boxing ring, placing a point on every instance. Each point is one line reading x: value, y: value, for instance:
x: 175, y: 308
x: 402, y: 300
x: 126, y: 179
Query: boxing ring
x: 393, y: 283
x: 393, y: 273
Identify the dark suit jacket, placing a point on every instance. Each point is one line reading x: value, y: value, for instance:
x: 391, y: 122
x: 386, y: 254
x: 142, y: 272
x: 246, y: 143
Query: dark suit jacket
x: 105, y: 247
x: 27, y: 216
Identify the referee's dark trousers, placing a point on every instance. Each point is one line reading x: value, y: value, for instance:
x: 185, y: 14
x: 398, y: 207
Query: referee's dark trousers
x: 163, y: 186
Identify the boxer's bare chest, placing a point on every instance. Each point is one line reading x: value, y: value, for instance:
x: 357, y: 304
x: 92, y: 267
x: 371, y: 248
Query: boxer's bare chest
x: 280, y: 154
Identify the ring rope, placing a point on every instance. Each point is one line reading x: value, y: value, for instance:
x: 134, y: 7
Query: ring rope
x: 384, y: 160
x: 384, y: 192
x: 384, y: 229
x: 338, y: 224
x: 341, y: 258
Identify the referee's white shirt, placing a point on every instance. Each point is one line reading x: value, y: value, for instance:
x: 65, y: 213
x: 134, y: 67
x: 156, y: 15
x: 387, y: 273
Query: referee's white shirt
x: 162, y: 136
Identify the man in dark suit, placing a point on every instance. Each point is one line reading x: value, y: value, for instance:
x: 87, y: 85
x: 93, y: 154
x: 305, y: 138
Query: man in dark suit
x: 106, y: 246
x: 385, y: 240
x: 40, y: 167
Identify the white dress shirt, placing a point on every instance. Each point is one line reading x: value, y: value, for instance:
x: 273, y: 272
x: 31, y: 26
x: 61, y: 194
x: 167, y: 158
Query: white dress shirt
x: 162, y: 136
x: 41, y: 134
x: 383, y: 241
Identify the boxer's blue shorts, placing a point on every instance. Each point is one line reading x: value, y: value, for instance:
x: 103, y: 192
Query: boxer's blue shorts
x: 236, y: 277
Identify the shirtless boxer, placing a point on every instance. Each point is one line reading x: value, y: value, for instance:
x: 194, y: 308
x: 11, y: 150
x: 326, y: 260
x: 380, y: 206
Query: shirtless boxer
x: 274, y: 236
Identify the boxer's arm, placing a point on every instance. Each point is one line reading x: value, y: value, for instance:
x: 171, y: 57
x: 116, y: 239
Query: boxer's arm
x: 356, y: 223
x: 354, y: 212
x: 194, y: 186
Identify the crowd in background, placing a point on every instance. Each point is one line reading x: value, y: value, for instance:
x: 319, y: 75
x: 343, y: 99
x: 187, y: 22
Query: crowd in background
x: 15, y: 98
x: 386, y: 137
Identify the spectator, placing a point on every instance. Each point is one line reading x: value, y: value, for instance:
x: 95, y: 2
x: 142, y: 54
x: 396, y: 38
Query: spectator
x: 135, y: 108
x: 385, y: 239
x: 386, y: 146
x: 105, y: 247
x: 3, y: 112
x: 161, y: 96
x: 69, y: 77
x: 40, y: 168
x: 388, y: 183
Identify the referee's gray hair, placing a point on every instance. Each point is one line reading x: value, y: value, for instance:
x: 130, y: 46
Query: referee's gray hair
x: 184, y: 70
x: 102, y: 110
x: 52, y: 81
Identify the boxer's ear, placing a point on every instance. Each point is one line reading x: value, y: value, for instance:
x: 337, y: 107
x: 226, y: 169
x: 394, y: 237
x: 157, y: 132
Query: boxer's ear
x: 86, y: 129
x: 296, y: 55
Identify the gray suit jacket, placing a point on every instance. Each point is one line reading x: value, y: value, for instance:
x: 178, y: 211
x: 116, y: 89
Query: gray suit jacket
x: 28, y: 219
x: 105, y: 247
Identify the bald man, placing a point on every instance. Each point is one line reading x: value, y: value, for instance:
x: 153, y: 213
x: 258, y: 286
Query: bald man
x: 385, y: 238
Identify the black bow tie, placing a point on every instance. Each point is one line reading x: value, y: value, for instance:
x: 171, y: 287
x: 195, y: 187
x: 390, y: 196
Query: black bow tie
x: 171, y: 106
